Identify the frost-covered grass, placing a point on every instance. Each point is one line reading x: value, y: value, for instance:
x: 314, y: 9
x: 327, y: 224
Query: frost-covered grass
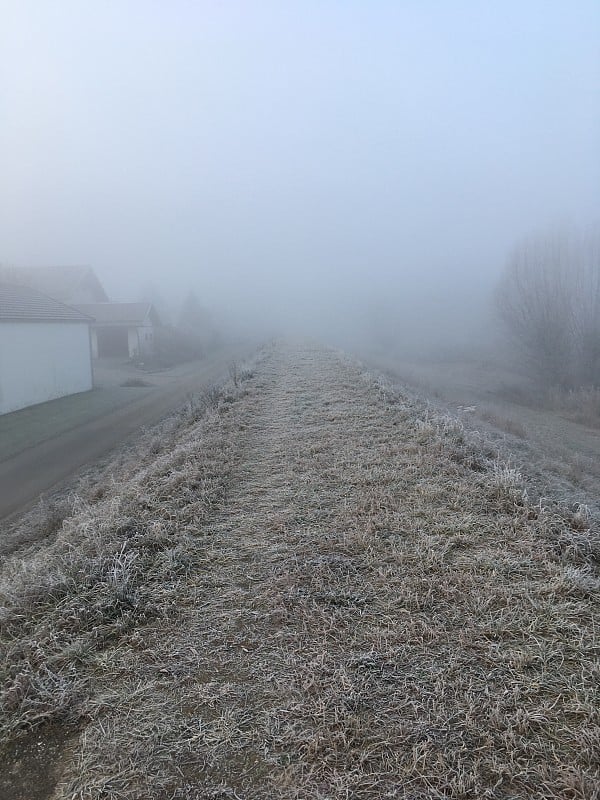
x: 581, y: 405
x: 314, y: 587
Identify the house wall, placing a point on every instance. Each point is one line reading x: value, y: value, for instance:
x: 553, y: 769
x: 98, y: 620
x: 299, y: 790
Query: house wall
x: 40, y: 361
x: 132, y: 342
x: 141, y: 341
x: 94, y: 342
x: 145, y: 336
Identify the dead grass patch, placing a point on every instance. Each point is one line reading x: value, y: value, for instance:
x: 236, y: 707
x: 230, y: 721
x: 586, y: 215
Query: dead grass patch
x: 310, y: 592
x: 580, y: 405
x: 506, y: 424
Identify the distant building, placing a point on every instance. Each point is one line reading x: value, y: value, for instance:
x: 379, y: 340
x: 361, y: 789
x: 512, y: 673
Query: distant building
x: 70, y: 285
x: 122, y: 329
x: 44, y: 348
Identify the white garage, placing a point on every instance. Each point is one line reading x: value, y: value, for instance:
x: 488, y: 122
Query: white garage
x: 44, y: 349
x: 122, y: 329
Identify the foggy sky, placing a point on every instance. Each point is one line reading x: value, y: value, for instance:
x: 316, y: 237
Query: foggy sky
x: 308, y: 160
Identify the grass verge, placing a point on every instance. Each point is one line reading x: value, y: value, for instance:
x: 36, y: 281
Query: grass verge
x: 320, y: 588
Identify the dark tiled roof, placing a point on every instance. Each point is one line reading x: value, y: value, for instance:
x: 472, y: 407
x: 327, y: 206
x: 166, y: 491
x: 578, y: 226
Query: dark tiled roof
x: 119, y: 313
x: 69, y: 284
x: 20, y: 303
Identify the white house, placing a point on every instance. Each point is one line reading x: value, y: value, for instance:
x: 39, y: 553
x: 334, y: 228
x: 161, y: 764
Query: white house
x: 44, y: 348
x: 121, y: 329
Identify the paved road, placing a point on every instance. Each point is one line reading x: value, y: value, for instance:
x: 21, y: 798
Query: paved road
x: 50, y: 463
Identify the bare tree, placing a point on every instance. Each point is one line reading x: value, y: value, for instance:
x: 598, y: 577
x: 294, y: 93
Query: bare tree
x: 587, y: 314
x: 549, y: 298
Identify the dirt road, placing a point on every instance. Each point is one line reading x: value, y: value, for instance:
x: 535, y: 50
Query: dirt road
x: 46, y: 465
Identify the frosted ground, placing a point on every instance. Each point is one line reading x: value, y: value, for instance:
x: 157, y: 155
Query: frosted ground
x: 305, y: 585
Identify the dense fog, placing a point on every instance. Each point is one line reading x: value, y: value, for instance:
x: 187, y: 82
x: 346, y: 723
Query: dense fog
x: 356, y: 171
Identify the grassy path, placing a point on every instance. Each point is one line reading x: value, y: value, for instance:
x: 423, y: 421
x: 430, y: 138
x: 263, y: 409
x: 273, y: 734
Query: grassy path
x: 327, y: 593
